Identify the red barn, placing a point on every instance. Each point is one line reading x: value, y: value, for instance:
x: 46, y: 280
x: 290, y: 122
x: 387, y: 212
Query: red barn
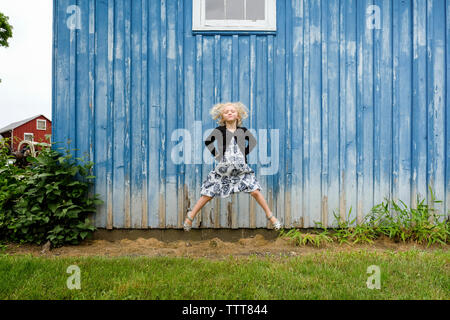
x: 37, y: 128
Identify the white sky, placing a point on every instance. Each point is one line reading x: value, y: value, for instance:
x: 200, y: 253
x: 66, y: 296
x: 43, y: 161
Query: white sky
x: 26, y: 65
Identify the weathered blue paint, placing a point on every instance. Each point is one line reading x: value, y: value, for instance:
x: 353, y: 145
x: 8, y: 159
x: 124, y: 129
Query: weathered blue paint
x: 362, y: 113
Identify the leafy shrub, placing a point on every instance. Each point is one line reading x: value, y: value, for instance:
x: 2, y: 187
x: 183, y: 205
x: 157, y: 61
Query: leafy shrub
x: 46, y: 201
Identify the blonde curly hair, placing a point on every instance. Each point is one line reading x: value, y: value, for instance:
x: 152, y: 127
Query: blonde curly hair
x: 216, y: 112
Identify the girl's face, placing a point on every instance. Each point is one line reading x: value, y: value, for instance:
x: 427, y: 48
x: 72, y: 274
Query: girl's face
x: 229, y: 113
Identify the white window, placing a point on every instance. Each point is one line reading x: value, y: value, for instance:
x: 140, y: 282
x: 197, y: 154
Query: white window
x: 257, y: 15
x: 41, y: 124
x: 28, y: 136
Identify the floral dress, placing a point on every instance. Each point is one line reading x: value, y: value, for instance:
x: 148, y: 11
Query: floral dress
x: 231, y: 175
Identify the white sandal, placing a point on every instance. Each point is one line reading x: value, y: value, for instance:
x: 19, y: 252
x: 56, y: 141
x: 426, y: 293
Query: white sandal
x: 277, y: 224
x: 187, y: 227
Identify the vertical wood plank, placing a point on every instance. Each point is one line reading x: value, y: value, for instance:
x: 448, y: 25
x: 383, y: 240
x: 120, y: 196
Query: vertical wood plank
x: 136, y: 114
x: 306, y: 119
x: 179, y: 26
x: 258, y: 126
x: 350, y: 111
x: 368, y: 111
x: 333, y: 79
x: 437, y: 100
x: 110, y: 113
x: 269, y: 180
x: 297, y: 115
x: 163, y: 112
x: 101, y: 111
x: 419, y: 104
x: 325, y: 113
x: 404, y: 102
x: 280, y: 114
x: 91, y: 94
x: 386, y: 101
x: 447, y: 111
x: 145, y: 113
x: 288, y: 126
x: 119, y: 118
x: 190, y: 120
x: 206, y: 102
x: 154, y: 131
x: 170, y: 97
x: 315, y: 112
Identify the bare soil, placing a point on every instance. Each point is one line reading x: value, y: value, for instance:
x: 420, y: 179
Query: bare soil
x: 215, y: 248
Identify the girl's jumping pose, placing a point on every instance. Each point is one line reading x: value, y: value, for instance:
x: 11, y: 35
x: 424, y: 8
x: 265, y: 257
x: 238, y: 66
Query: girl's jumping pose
x: 232, y: 173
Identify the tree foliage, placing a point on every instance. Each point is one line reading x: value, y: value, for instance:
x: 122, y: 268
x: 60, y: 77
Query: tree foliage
x: 5, y: 30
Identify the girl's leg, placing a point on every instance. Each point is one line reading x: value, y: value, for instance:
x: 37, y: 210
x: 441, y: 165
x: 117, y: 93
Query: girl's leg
x: 200, y: 203
x: 262, y: 202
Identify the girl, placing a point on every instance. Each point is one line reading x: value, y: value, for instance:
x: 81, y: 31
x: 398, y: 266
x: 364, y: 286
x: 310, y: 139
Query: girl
x: 232, y: 173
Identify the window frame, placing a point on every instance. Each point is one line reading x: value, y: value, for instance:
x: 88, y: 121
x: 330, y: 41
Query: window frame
x: 199, y: 23
x: 37, y: 125
x: 28, y: 133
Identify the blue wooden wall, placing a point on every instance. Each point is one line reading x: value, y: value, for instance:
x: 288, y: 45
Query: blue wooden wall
x: 356, y: 113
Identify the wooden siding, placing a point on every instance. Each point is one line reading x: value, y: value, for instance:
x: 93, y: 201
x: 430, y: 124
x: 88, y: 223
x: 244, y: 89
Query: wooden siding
x: 361, y: 113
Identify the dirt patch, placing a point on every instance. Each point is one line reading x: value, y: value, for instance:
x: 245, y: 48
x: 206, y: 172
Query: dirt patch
x: 214, y: 248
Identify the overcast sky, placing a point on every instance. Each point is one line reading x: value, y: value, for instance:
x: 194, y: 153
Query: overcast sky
x: 26, y: 65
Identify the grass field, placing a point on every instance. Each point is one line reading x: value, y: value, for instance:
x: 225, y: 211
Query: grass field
x: 413, y: 274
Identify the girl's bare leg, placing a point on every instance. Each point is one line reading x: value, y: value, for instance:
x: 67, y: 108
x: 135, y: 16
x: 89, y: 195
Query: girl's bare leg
x: 200, y: 203
x: 262, y: 202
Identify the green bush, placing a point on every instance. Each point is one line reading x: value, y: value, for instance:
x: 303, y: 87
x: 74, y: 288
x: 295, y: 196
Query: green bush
x: 48, y: 200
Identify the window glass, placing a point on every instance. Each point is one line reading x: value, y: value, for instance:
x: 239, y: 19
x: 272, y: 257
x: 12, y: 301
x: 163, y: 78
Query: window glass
x: 41, y: 124
x: 215, y: 15
x: 235, y: 9
x: 215, y: 9
x: 256, y: 10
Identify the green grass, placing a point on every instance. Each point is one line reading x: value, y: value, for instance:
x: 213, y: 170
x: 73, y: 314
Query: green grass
x: 414, y: 274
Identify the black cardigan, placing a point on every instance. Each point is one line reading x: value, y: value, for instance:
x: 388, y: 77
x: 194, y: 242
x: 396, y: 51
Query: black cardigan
x: 223, y: 137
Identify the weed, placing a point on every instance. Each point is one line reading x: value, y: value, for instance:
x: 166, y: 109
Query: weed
x: 391, y: 218
x: 299, y: 238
